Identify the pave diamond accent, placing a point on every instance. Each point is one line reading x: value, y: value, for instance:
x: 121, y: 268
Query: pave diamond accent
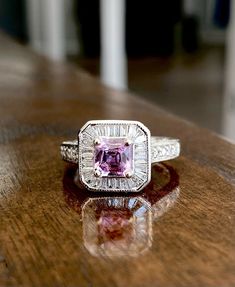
x: 164, y: 149
x: 113, y: 158
x: 119, y: 168
x: 69, y: 150
x: 161, y: 149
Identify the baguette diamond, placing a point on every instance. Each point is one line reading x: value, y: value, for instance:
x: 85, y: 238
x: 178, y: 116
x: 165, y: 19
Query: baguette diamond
x: 114, y: 150
x: 117, y: 155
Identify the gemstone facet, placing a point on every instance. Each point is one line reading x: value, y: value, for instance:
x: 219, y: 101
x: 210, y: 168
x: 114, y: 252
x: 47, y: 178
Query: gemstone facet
x: 113, y: 157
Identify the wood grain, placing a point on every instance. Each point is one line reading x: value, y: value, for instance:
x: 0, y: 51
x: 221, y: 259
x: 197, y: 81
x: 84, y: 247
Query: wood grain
x: 41, y: 241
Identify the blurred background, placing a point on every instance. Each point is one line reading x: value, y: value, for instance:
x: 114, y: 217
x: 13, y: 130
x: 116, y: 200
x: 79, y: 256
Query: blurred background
x: 179, y: 54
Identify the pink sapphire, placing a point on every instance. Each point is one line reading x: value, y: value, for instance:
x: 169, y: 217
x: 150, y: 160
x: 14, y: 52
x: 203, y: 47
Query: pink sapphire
x: 113, y: 157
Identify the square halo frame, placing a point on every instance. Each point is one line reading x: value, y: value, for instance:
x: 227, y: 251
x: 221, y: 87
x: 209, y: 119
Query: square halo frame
x: 133, y: 130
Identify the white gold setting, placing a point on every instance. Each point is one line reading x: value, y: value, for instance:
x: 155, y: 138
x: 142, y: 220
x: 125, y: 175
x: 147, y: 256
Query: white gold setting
x: 135, y: 133
x: 138, y: 151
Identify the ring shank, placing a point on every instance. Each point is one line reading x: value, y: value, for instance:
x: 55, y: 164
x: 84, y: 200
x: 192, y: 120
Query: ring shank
x: 162, y: 149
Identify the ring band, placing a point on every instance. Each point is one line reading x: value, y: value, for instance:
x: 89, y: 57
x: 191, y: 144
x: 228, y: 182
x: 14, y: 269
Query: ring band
x: 162, y: 149
x: 117, y: 155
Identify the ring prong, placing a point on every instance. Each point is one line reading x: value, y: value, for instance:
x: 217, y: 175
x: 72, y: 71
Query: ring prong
x: 97, y: 173
x: 97, y: 141
x: 128, y: 174
x: 128, y: 142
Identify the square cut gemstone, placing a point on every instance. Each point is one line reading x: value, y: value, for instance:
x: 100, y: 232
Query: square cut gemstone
x: 113, y: 157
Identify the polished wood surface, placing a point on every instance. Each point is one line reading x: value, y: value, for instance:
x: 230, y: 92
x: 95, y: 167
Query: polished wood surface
x: 43, y: 222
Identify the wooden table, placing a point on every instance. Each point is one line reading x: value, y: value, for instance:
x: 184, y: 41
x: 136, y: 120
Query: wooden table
x: 43, y: 233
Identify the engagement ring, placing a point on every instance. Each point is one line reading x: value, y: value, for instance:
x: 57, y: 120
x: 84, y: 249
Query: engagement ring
x: 115, y: 155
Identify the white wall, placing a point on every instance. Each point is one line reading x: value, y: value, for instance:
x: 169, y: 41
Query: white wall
x: 113, y: 55
x: 52, y: 28
x: 229, y: 100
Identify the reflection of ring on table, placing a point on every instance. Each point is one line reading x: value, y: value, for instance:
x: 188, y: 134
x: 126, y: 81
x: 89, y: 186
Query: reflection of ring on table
x: 117, y: 225
x: 114, y: 155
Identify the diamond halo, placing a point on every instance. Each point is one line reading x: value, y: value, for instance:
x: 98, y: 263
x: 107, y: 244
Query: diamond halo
x: 114, y: 155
